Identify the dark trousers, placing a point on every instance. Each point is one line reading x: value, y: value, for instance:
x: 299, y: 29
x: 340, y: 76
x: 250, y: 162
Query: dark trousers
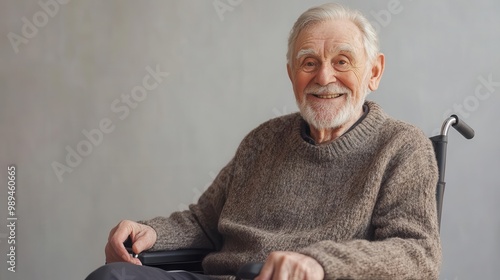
x: 128, y: 271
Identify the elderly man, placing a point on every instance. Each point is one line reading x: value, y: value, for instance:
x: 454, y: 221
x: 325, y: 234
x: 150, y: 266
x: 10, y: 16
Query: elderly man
x: 339, y: 191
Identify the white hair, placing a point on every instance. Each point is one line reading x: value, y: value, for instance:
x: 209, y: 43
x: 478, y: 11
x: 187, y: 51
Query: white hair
x: 332, y: 11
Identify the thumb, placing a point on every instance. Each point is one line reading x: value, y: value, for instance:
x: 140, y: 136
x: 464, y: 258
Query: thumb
x: 135, y: 261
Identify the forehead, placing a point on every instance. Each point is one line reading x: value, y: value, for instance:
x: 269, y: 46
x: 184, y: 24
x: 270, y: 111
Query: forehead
x: 330, y: 36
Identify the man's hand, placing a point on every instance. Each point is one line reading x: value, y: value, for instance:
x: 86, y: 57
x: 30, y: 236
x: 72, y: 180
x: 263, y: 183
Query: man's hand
x: 143, y: 237
x: 291, y: 265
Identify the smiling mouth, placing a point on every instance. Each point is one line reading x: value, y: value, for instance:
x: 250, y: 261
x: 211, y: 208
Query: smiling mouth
x: 328, y: 96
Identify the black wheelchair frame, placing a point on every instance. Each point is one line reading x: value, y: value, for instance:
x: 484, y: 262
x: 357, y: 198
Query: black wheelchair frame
x: 190, y: 259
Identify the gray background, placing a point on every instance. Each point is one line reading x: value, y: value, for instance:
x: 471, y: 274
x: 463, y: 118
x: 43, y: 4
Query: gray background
x: 226, y: 75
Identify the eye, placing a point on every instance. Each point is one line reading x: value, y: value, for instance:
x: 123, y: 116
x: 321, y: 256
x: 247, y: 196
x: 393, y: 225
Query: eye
x: 342, y: 64
x: 309, y: 65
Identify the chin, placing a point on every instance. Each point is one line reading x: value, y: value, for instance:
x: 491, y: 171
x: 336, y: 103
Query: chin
x: 327, y: 122
x: 328, y: 118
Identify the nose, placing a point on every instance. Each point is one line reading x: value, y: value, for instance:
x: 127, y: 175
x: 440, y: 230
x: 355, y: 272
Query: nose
x: 326, y: 75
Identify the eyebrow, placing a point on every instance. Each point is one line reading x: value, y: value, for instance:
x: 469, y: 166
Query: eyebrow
x: 304, y: 52
x: 341, y: 48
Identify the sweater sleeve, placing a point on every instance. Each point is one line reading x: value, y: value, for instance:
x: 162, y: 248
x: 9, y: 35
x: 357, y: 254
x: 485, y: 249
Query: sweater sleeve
x: 406, y: 242
x: 196, y: 227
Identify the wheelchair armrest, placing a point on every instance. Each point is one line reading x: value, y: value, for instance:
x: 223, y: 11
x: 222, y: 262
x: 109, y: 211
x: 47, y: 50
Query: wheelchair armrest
x: 249, y: 270
x: 155, y: 258
x: 182, y: 259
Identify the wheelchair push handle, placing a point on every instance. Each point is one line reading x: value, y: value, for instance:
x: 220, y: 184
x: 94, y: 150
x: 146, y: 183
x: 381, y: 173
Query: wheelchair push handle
x: 459, y: 125
x: 463, y: 128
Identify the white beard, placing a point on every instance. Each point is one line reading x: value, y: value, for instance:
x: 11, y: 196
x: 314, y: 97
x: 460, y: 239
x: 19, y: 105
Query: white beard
x: 322, y: 116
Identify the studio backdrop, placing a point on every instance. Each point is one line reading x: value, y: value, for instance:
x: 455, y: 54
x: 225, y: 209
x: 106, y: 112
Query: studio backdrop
x: 114, y: 110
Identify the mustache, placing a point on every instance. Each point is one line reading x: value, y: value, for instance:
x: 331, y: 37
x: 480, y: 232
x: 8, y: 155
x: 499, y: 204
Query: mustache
x: 328, y: 89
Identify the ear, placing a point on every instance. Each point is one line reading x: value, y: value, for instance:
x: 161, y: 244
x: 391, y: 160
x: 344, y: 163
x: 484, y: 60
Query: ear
x: 377, y: 71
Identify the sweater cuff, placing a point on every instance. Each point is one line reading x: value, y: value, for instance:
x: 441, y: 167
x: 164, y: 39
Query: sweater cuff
x: 325, y: 261
x: 154, y: 223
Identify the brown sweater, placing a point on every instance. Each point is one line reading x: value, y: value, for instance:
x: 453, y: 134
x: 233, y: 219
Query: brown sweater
x: 363, y: 205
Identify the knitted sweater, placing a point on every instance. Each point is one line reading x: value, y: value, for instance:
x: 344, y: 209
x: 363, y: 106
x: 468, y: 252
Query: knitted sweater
x: 363, y: 205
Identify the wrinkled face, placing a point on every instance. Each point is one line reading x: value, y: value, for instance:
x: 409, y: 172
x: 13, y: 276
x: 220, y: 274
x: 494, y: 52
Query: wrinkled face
x: 330, y: 73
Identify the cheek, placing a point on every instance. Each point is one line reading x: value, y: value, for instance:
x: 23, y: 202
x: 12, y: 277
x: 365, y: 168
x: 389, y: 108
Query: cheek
x: 353, y: 83
x: 300, y: 83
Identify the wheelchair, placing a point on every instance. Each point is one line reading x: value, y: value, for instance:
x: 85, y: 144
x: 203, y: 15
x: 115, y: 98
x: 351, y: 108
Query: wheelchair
x: 190, y: 259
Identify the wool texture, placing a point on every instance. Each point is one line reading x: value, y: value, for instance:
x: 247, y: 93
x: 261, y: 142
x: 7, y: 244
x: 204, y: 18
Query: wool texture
x: 363, y: 206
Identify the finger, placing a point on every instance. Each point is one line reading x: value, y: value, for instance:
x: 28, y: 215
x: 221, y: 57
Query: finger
x: 111, y: 255
x: 119, y: 256
x: 111, y: 233
x: 124, y: 258
x: 266, y: 273
x: 120, y: 234
x: 143, y: 240
x: 136, y: 261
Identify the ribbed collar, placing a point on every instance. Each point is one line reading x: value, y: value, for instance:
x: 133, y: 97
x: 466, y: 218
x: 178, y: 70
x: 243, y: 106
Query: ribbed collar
x: 305, y: 130
x: 349, y: 141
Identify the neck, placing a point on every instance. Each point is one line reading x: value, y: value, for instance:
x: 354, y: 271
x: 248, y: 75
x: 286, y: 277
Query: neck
x: 326, y: 135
